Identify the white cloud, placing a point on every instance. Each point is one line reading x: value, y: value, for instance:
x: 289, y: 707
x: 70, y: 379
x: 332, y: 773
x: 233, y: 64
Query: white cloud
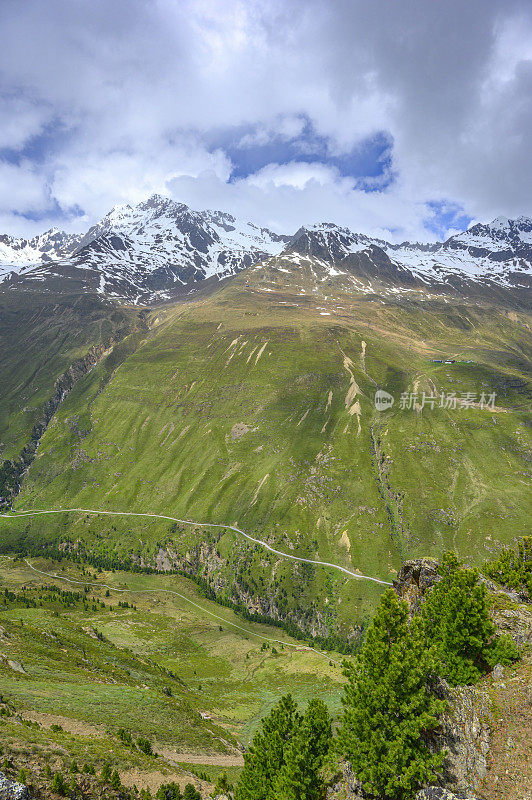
x: 283, y: 200
x: 135, y: 88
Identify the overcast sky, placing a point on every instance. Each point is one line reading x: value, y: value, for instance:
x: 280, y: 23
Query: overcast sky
x: 409, y: 118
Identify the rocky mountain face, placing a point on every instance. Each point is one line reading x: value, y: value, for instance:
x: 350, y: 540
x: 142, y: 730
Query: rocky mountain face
x: 159, y: 249
x: 23, y: 254
x: 499, y: 253
x: 145, y: 252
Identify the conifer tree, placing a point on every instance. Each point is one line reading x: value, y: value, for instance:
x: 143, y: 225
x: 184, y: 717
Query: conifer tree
x: 265, y: 758
x: 388, y: 706
x: 457, y: 622
x: 299, y: 778
x: 115, y: 781
x: 191, y: 793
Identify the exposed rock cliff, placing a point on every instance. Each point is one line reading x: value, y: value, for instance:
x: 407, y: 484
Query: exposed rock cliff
x: 12, y: 790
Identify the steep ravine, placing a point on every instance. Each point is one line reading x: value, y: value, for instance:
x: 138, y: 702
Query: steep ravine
x: 13, y: 470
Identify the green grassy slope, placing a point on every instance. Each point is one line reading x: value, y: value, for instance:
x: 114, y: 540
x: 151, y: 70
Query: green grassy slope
x: 40, y: 337
x: 255, y: 407
x: 213, y: 668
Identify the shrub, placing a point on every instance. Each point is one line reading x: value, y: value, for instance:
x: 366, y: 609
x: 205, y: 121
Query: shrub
x: 191, y: 793
x: 144, y: 746
x: 223, y: 785
x: 58, y: 784
x: 115, y: 782
x: 504, y: 651
x: 513, y: 567
x: 169, y: 791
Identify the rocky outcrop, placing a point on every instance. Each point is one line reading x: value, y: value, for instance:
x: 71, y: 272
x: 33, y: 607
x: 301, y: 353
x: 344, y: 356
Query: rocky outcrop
x: 437, y: 793
x: 203, y: 560
x: 413, y: 580
x: 516, y: 622
x: 11, y: 790
x: 345, y: 785
x: 465, y: 736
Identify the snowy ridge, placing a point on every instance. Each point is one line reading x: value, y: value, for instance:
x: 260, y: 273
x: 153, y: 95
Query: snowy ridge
x: 500, y: 253
x: 18, y: 254
x: 150, y: 251
x: 143, y: 251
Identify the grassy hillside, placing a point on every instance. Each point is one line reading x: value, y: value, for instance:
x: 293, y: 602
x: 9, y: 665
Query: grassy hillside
x: 103, y: 667
x: 41, y: 336
x: 255, y: 407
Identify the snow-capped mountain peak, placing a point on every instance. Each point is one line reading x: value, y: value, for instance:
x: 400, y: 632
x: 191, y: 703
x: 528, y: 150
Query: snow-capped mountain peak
x: 148, y: 249
x: 151, y: 250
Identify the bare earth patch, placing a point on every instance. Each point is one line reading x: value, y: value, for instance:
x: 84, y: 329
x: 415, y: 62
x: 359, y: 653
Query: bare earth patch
x: 216, y: 759
x: 152, y: 780
x: 238, y: 430
x: 510, y: 771
x: 69, y: 725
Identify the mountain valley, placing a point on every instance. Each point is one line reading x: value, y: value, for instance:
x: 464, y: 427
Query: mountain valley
x: 188, y: 365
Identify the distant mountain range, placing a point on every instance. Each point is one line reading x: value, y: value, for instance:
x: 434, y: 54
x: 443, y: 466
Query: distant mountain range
x: 159, y: 249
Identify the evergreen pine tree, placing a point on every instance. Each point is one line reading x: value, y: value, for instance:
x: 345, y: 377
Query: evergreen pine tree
x: 388, y: 707
x: 265, y: 757
x: 115, y: 781
x: 223, y: 785
x: 191, y: 793
x: 457, y: 622
x: 299, y: 778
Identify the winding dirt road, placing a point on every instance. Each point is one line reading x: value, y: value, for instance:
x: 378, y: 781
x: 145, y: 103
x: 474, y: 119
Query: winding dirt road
x: 357, y: 575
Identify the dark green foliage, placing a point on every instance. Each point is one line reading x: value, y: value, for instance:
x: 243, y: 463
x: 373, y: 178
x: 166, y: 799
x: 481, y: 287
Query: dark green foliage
x: 513, y: 567
x: 125, y: 737
x: 106, y: 772
x: 389, y: 710
x: 191, y: 793
x: 286, y: 756
x: 503, y: 651
x: 458, y: 626
x: 299, y: 778
x: 58, y: 784
x: 223, y: 785
x: 9, y: 479
x: 169, y: 791
x: 115, y: 781
x: 266, y: 756
x: 145, y: 746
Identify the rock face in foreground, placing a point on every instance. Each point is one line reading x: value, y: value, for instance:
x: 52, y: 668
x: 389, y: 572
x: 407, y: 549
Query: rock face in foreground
x: 437, y: 793
x: 413, y: 580
x: 11, y: 790
x: 466, y: 736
